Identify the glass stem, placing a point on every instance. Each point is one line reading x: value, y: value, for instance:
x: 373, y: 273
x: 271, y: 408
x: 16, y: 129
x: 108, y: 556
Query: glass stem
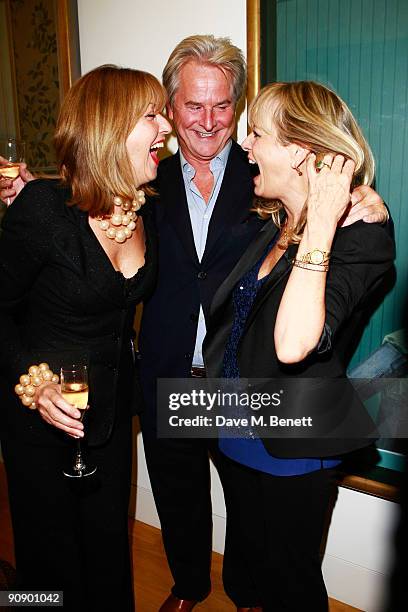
x: 79, y: 464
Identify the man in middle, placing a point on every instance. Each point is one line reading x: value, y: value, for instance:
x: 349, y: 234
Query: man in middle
x: 205, y: 224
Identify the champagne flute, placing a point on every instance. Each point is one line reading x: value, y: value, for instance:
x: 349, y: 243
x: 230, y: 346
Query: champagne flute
x: 14, y: 152
x: 74, y: 389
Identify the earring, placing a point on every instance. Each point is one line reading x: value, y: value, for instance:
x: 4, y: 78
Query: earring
x: 300, y: 173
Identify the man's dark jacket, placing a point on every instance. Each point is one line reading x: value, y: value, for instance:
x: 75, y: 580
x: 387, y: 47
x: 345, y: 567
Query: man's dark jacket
x: 169, y: 322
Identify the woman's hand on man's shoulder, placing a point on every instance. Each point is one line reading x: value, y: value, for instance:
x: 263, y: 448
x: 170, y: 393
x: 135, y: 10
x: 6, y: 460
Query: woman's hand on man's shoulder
x: 366, y: 205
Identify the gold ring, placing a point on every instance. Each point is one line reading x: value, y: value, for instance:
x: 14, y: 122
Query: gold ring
x: 321, y: 164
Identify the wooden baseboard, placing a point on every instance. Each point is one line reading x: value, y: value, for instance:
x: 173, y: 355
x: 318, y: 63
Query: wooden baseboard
x: 371, y: 487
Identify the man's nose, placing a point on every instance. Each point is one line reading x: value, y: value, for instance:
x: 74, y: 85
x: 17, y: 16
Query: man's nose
x: 207, y: 119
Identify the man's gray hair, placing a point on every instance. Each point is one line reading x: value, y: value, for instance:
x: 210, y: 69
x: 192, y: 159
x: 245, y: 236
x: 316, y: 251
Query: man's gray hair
x: 206, y: 49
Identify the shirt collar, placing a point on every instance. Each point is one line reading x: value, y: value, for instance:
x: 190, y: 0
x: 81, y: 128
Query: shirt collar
x: 217, y: 163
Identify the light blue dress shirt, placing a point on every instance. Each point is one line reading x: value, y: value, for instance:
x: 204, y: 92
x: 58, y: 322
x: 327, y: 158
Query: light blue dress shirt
x: 200, y: 216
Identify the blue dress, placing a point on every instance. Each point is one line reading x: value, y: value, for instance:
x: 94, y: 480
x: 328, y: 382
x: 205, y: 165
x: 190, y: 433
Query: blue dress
x: 250, y: 450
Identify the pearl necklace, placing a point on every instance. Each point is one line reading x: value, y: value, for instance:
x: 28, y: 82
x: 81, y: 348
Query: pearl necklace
x: 120, y: 226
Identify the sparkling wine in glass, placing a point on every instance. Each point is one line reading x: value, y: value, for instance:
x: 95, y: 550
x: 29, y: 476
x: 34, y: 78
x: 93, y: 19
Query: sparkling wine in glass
x: 13, y: 152
x: 74, y: 389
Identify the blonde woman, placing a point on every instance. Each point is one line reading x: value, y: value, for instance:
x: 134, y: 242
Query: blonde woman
x: 76, y: 256
x: 291, y: 308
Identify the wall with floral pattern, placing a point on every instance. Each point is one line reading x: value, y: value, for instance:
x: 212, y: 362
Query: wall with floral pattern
x: 36, y: 65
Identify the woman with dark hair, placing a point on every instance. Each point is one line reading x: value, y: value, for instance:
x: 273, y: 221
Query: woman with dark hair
x: 289, y: 310
x: 76, y: 256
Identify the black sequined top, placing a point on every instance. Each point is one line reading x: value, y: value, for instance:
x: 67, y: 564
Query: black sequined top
x: 59, y: 292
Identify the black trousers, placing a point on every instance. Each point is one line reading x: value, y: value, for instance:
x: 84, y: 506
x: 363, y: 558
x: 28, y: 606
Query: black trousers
x: 180, y: 477
x: 72, y: 535
x: 277, y: 529
x: 179, y: 473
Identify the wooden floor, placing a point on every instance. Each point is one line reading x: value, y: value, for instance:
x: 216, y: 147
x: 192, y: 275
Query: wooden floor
x: 152, y: 578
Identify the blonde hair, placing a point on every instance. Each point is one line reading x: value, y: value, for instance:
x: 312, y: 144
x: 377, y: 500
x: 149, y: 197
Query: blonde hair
x: 313, y: 116
x: 206, y: 49
x: 97, y: 115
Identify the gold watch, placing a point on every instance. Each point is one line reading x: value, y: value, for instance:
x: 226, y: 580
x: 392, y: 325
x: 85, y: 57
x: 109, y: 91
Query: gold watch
x: 316, y: 257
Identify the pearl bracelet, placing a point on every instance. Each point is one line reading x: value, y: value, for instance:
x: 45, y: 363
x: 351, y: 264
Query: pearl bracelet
x: 37, y: 375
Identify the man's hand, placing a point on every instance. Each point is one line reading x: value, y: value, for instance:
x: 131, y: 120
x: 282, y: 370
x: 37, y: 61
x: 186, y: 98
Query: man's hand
x: 9, y: 189
x: 367, y: 205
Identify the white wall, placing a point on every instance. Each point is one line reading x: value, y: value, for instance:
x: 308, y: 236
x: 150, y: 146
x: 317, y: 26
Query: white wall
x: 141, y: 34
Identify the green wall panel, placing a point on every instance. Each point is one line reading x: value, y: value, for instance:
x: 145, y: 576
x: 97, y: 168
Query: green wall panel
x: 359, y: 48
